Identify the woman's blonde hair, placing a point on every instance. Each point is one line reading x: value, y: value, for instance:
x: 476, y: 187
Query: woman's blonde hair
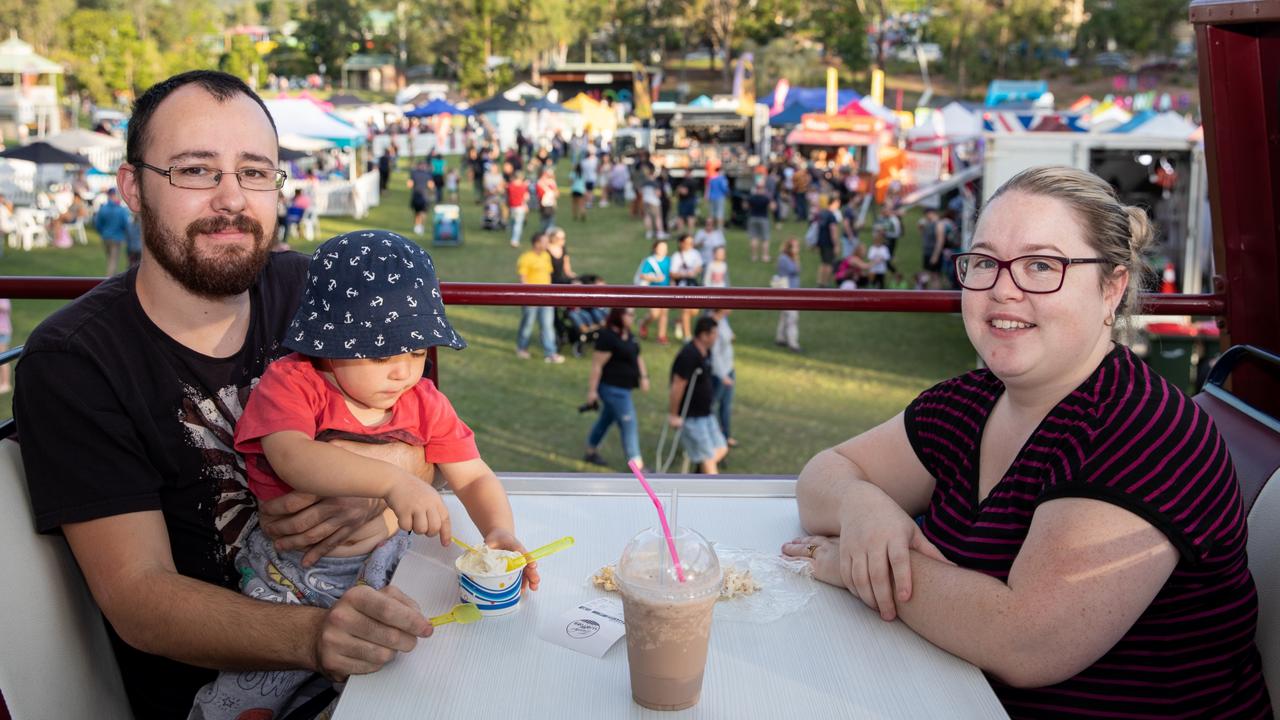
x: 1119, y: 233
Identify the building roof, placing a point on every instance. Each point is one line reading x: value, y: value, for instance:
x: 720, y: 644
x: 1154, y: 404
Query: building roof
x: 368, y: 61
x: 18, y: 57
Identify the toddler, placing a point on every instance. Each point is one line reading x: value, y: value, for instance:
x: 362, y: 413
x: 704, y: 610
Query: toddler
x: 370, y: 310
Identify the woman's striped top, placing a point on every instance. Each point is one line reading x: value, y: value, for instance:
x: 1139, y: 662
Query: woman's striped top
x: 1127, y: 437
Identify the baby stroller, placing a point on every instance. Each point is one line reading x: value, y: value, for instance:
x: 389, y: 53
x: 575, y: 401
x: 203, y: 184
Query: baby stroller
x: 493, y: 213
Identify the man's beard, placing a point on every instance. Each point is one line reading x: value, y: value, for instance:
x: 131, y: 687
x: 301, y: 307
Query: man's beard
x: 226, y: 272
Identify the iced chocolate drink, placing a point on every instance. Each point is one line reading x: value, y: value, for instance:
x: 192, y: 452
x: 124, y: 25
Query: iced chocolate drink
x: 668, y: 622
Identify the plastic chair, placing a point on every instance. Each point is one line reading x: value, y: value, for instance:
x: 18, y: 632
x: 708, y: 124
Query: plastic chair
x: 1253, y: 438
x: 77, y: 231
x: 56, y: 660
x: 31, y: 232
x: 310, y: 224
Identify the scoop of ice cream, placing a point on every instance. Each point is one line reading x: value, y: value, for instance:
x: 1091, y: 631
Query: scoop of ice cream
x: 485, y: 561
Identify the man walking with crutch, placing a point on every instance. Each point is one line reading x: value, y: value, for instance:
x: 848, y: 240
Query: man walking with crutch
x: 700, y: 435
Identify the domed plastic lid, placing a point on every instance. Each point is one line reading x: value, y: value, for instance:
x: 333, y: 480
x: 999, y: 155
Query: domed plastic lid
x: 646, y: 567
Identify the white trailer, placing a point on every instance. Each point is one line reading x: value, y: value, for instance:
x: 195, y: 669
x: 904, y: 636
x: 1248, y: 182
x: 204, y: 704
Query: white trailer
x: 1164, y: 175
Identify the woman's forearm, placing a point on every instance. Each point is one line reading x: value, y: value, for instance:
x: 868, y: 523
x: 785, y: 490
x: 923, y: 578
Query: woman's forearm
x: 826, y: 483
x: 975, y: 617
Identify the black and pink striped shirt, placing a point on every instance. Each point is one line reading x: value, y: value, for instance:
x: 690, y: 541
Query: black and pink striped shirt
x: 1126, y: 437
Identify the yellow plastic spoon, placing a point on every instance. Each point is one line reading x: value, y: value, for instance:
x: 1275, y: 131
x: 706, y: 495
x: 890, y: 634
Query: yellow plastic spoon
x: 465, y: 546
x: 463, y: 613
x: 545, y: 550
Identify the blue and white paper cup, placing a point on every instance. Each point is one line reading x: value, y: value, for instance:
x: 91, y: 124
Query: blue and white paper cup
x: 496, y: 594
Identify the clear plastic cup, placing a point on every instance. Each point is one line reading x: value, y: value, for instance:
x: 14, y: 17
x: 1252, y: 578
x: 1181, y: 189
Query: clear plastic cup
x: 668, y: 622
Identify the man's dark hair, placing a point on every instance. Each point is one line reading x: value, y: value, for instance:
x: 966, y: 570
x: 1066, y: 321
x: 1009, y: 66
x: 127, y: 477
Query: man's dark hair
x: 218, y: 84
x: 704, y: 325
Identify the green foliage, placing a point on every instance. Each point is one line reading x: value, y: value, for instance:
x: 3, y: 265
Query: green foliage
x: 37, y: 22
x: 242, y: 60
x: 103, y: 52
x: 1141, y: 26
x: 332, y: 29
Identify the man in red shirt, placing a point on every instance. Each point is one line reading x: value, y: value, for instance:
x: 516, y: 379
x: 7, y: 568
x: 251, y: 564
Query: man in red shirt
x: 518, y: 204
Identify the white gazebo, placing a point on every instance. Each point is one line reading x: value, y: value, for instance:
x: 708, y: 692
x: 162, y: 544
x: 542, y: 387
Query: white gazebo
x: 24, y: 99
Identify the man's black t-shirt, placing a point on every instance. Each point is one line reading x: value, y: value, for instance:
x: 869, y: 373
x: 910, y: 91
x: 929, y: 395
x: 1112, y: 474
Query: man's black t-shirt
x: 116, y: 417
x: 623, y: 368
x: 687, y: 361
x: 758, y: 205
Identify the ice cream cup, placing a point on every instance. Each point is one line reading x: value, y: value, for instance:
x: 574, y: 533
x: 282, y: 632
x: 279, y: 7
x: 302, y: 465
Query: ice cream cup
x: 493, y: 594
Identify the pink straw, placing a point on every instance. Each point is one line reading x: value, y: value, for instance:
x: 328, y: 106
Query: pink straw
x: 662, y: 517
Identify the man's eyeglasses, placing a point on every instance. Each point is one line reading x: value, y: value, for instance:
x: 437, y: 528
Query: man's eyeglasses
x: 1031, y: 273
x: 199, y: 177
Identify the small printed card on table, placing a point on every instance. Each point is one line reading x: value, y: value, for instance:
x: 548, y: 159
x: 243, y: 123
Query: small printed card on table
x: 590, y: 628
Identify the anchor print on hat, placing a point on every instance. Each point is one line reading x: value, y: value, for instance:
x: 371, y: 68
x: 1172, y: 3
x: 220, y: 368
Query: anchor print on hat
x: 370, y: 294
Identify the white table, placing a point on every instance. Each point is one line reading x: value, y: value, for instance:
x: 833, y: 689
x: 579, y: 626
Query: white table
x: 834, y: 658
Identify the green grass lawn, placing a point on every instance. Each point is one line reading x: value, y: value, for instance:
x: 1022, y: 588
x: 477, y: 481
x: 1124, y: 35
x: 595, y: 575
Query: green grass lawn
x: 857, y: 370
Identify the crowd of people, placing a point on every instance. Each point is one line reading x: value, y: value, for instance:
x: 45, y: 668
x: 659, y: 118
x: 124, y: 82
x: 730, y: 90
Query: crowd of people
x: 271, y: 441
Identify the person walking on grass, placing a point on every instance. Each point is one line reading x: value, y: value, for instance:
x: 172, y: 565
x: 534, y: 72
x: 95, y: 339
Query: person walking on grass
x: 517, y: 205
x: 112, y: 223
x: 723, y: 375
x: 534, y: 268
x: 700, y: 434
x: 788, y: 276
x: 655, y: 270
x: 616, y: 370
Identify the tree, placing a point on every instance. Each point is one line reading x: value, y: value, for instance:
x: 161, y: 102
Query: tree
x: 102, y: 53
x: 1141, y: 26
x: 242, y: 60
x: 37, y: 22
x: 332, y: 31
x: 841, y: 28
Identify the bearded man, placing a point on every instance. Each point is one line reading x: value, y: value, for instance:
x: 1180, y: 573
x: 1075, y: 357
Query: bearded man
x: 127, y: 402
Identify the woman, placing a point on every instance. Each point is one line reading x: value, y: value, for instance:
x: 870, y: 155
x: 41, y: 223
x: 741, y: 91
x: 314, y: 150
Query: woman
x: 655, y: 270
x: 561, y: 268
x: 1083, y: 537
x: 578, y: 188
x: 686, y: 271
x: 616, y: 369
x: 788, y: 276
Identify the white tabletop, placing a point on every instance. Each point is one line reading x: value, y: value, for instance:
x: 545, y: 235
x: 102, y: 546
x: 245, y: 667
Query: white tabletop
x: 834, y: 658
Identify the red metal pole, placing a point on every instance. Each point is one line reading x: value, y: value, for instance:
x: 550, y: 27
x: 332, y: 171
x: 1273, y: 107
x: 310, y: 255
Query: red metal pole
x: 928, y: 301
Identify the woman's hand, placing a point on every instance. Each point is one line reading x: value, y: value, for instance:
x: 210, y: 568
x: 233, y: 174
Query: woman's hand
x: 876, y: 540
x: 593, y: 397
x: 503, y: 539
x: 644, y: 383
x: 823, y: 554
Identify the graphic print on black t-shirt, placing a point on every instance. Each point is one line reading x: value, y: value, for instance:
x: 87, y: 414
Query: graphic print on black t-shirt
x: 209, y: 426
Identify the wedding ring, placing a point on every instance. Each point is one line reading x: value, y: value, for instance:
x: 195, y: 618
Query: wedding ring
x: 811, y: 548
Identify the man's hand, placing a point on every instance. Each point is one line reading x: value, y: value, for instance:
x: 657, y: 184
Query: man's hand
x: 675, y: 421
x: 365, y: 630
x: 419, y: 508
x: 302, y: 521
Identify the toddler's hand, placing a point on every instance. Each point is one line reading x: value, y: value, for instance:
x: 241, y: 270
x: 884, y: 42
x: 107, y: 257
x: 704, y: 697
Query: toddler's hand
x: 503, y: 539
x: 419, y: 508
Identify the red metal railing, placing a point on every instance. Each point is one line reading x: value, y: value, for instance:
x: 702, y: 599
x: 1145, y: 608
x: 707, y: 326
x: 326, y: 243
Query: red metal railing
x: 928, y: 301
